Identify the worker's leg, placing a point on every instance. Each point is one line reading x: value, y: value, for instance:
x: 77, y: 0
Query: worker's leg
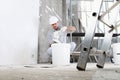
x: 49, y: 52
x: 72, y: 46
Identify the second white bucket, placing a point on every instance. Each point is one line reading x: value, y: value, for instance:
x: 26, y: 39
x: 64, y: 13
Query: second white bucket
x: 61, y: 54
x: 116, y: 53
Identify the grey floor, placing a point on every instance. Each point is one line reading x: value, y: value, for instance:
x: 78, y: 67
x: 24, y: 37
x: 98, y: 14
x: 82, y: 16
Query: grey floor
x: 52, y: 72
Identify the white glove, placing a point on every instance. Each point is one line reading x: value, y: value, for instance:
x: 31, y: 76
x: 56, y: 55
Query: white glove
x: 63, y: 29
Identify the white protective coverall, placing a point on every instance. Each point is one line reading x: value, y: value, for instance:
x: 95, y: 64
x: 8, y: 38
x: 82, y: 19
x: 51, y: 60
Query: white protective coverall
x: 59, y: 36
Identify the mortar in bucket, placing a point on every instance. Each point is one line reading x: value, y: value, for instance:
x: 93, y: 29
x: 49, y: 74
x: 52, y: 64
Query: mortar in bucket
x: 61, y: 54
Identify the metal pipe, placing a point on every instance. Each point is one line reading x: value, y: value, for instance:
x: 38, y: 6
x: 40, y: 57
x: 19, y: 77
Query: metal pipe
x: 110, y: 8
x: 70, y: 19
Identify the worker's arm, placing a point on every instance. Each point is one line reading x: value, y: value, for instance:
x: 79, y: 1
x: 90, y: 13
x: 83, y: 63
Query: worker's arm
x: 50, y: 37
x: 71, y: 29
x: 68, y: 29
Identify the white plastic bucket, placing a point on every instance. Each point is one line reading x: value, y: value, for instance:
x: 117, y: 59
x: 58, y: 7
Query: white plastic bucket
x: 61, y: 54
x: 116, y: 53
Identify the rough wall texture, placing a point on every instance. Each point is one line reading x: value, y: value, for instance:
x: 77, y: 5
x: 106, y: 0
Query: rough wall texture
x: 47, y: 8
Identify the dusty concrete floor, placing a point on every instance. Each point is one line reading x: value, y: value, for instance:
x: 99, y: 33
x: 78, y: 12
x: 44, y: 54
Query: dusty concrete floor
x: 51, y: 72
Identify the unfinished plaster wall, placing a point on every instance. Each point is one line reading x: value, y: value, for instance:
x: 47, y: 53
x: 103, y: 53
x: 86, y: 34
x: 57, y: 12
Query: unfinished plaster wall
x: 47, y: 9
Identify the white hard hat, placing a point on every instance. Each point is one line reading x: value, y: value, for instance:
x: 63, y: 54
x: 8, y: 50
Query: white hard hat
x: 53, y: 20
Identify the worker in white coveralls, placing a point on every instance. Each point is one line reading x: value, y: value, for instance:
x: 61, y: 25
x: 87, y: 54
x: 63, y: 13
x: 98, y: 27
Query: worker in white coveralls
x: 58, y: 34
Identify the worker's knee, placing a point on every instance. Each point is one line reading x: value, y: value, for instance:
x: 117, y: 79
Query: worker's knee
x: 49, y: 51
x: 73, y: 45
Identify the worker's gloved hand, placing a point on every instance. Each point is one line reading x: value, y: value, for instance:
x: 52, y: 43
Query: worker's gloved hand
x: 71, y: 29
x: 63, y: 29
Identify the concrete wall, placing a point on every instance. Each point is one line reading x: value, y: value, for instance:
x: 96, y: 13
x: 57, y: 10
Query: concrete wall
x: 47, y: 8
x: 21, y: 29
x: 19, y: 21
